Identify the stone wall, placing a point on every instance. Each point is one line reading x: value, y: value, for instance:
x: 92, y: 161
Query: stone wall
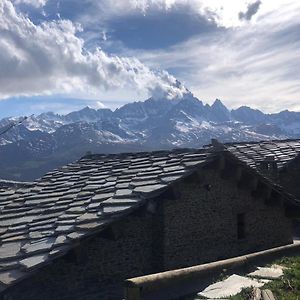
x: 97, y: 268
x: 201, y: 225
x: 198, y: 225
x: 289, y: 177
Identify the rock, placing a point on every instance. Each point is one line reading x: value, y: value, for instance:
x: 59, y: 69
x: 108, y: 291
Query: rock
x: 230, y: 286
x: 267, y: 295
x: 267, y: 273
x: 256, y: 294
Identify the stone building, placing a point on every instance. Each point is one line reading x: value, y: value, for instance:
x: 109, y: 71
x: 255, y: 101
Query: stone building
x: 277, y: 160
x: 79, y: 231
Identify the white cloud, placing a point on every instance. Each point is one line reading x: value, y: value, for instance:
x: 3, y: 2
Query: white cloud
x: 34, y: 3
x: 253, y: 62
x: 50, y: 58
x: 255, y: 65
x: 223, y: 12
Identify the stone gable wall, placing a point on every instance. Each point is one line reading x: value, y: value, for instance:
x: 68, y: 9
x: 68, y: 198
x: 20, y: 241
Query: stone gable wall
x: 289, y: 177
x: 197, y: 226
x: 201, y: 225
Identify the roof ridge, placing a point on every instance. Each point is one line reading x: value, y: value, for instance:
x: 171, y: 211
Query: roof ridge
x: 13, y: 183
x: 140, y: 153
x: 263, y: 141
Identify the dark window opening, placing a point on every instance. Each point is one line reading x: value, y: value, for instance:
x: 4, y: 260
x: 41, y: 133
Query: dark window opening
x: 241, y: 233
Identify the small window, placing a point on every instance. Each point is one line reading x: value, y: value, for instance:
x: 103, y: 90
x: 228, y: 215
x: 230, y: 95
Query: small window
x: 241, y: 234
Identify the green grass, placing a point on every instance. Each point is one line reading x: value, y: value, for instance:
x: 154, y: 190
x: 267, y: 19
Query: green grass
x: 285, y: 288
x: 244, y: 294
x: 288, y: 287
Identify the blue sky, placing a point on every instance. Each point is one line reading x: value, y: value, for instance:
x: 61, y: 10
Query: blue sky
x: 62, y: 55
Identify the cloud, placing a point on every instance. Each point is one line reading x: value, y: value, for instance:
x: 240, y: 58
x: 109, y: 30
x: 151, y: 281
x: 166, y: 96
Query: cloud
x: 222, y: 12
x: 24, y: 106
x: 255, y: 65
x: 245, y: 63
x: 252, y: 9
x: 34, y: 3
x: 51, y: 58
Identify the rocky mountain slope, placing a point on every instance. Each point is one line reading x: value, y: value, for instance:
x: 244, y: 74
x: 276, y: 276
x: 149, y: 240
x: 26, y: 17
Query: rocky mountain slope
x: 48, y: 140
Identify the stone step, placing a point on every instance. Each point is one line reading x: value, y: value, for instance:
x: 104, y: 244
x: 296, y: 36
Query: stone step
x: 230, y: 287
x: 273, y: 272
x: 267, y: 295
x: 256, y: 294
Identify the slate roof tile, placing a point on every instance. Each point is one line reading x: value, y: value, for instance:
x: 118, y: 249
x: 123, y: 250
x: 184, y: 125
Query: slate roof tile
x: 11, y: 276
x: 86, y: 218
x: 40, y: 246
x: 116, y: 209
x: 48, y: 216
x: 254, y: 153
x: 33, y: 261
x: 150, y: 189
x: 10, y: 250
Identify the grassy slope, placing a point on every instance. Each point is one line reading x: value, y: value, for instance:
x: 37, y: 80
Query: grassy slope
x: 286, y: 288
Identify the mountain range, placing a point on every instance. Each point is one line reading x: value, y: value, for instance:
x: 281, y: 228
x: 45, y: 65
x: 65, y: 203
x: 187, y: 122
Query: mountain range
x: 48, y: 140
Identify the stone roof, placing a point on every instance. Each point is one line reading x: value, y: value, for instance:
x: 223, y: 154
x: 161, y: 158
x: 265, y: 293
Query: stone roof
x: 253, y: 153
x: 41, y: 222
x: 14, y: 184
